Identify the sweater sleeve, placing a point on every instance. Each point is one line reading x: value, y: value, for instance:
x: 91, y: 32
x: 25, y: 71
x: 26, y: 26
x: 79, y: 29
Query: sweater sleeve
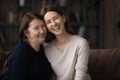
x: 18, y: 64
x: 82, y: 60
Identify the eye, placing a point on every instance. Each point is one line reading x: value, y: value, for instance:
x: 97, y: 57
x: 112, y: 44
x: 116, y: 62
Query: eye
x: 43, y: 25
x: 36, y: 27
x: 47, y: 22
x: 55, y: 18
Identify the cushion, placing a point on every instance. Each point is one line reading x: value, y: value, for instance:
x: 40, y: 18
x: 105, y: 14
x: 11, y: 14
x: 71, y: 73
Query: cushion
x: 104, y: 64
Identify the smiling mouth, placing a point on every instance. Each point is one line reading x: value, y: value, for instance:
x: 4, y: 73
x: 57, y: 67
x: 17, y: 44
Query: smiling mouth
x: 41, y: 35
x: 56, y: 28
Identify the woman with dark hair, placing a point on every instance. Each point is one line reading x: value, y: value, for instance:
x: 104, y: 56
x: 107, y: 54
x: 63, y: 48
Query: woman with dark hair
x: 28, y: 61
x: 67, y: 52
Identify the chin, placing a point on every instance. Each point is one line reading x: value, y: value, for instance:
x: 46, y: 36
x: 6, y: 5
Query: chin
x: 42, y: 40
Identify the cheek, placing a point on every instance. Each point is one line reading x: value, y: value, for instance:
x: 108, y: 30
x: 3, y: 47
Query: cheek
x: 48, y: 27
x: 33, y: 33
x: 62, y: 21
x: 45, y: 30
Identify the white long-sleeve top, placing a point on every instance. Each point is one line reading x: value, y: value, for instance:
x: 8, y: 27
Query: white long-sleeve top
x: 72, y: 63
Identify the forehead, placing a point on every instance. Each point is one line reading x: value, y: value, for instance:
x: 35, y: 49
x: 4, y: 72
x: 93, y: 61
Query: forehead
x: 50, y: 14
x: 36, y: 22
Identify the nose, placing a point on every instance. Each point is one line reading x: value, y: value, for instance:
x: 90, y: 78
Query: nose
x: 53, y: 22
x: 41, y: 31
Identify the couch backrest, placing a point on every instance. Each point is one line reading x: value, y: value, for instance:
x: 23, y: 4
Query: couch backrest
x: 104, y: 64
x: 3, y: 61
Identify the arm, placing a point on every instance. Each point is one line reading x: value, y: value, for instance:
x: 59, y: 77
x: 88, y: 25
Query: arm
x: 82, y: 60
x: 18, y: 64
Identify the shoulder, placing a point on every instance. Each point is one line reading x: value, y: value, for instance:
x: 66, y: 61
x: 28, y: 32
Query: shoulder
x: 81, y: 43
x: 49, y: 49
x: 81, y: 40
x: 19, y: 53
x: 21, y: 45
x: 21, y: 48
x: 48, y: 45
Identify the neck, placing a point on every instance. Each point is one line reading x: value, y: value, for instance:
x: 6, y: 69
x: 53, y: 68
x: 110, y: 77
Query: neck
x: 35, y: 46
x: 62, y: 39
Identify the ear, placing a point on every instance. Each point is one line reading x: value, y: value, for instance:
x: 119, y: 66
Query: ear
x: 26, y: 33
x: 64, y: 19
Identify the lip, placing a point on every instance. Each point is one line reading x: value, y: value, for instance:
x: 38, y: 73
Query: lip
x: 41, y: 35
x: 56, y: 28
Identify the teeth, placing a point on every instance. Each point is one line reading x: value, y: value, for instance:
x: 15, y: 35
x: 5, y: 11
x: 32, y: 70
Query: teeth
x: 56, y: 27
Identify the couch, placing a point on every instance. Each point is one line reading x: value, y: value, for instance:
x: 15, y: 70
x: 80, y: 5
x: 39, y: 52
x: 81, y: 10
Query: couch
x: 4, y: 55
x: 104, y: 64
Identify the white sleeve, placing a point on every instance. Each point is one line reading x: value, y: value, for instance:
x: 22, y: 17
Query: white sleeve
x: 82, y: 60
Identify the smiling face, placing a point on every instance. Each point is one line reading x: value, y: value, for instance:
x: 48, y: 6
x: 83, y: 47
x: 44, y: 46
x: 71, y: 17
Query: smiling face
x: 36, y: 31
x: 55, y: 22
